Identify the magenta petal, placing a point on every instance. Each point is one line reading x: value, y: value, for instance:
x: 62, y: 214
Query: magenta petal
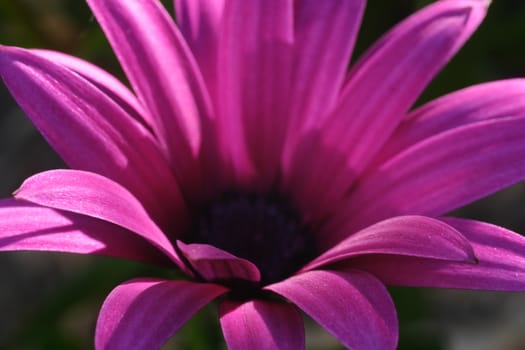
x: 90, y: 131
x: 325, y: 33
x: 254, y: 83
x: 95, y: 196
x: 404, y: 235
x: 372, y: 105
x: 216, y: 265
x: 261, y: 325
x: 108, y: 84
x: 353, y: 306
x: 199, y: 22
x: 26, y: 226
x: 494, y: 100
x: 441, y: 173
x: 501, y: 262
x: 409, y: 55
x: 142, y: 314
x: 164, y: 76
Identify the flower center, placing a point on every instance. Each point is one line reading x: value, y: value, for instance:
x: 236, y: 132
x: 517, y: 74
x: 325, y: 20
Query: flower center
x: 260, y: 229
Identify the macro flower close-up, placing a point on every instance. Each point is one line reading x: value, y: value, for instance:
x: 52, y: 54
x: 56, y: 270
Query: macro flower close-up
x: 278, y: 180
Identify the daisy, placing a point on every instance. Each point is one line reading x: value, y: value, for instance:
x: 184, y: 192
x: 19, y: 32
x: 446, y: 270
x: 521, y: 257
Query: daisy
x: 247, y: 156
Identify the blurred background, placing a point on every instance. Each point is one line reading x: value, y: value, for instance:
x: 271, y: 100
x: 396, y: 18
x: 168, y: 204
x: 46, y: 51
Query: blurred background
x: 50, y: 301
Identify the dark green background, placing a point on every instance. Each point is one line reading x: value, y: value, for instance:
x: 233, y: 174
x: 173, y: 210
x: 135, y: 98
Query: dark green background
x: 50, y: 301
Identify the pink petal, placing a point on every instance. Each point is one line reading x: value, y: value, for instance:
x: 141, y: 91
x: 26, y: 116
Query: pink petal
x: 353, y: 306
x: 90, y: 131
x: 380, y: 89
x: 254, y: 83
x: 325, y: 33
x: 26, y: 226
x: 499, y: 99
x: 216, y: 265
x: 105, y: 82
x: 95, y: 196
x: 440, y: 173
x: 409, y: 55
x: 403, y: 235
x: 166, y: 79
x: 144, y: 313
x: 199, y: 22
x: 258, y: 324
x: 501, y: 262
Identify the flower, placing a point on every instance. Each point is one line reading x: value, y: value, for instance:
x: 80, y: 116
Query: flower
x: 250, y: 159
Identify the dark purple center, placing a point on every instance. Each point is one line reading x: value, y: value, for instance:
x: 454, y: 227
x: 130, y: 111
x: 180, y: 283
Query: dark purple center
x: 263, y: 230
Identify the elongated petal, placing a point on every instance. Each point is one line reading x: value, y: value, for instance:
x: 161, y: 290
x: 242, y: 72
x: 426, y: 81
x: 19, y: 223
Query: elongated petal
x: 442, y: 173
x: 216, y: 265
x: 325, y: 33
x: 164, y: 76
x: 108, y: 84
x: 354, y: 306
x: 494, y: 100
x: 90, y: 131
x: 95, y: 196
x: 26, y: 226
x: 410, y: 55
x: 199, y: 22
x: 143, y: 313
x: 254, y: 85
x: 260, y: 325
x: 501, y: 262
x: 404, y: 235
x: 379, y: 91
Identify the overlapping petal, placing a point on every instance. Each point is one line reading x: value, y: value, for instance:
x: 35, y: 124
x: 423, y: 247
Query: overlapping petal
x: 143, y: 313
x: 167, y: 81
x: 380, y: 89
x: 26, y: 226
x: 403, y: 235
x: 95, y: 196
x: 501, y: 262
x: 199, y: 22
x: 409, y: 55
x: 106, y: 82
x: 254, y: 83
x: 353, y: 306
x: 466, y: 163
x: 325, y: 33
x: 216, y: 265
x: 261, y: 325
x: 494, y: 100
x: 90, y: 131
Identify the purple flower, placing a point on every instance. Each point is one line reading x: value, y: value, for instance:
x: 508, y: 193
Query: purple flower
x: 248, y: 157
